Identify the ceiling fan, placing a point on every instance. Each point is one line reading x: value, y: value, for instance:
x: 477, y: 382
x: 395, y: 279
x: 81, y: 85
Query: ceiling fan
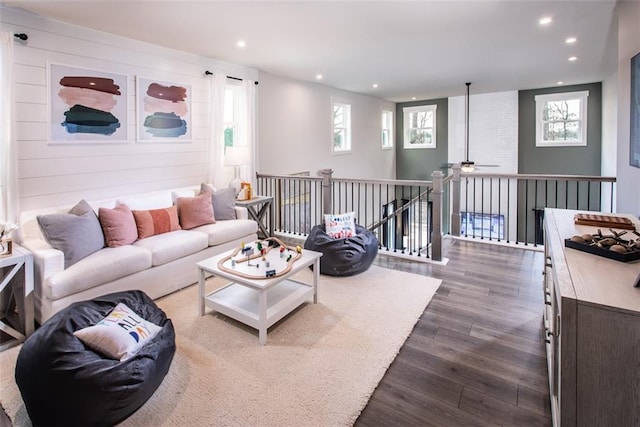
x: 467, y: 165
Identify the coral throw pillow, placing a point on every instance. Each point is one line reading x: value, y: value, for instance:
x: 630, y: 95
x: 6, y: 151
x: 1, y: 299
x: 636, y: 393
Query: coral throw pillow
x: 195, y: 211
x: 156, y: 221
x: 339, y: 226
x: 118, y: 226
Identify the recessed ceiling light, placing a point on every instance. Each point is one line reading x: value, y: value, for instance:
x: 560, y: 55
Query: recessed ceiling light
x: 573, y: 58
x: 318, y: 76
x: 545, y: 20
x: 560, y: 83
x: 375, y: 85
x: 571, y: 40
x: 413, y: 98
x: 241, y: 43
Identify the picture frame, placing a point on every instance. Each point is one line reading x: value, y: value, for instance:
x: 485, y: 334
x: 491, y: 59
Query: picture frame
x: 163, y: 111
x: 86, y: 105
x: 634, y: 134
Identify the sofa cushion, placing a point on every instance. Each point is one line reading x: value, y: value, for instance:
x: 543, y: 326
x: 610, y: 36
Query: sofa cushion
x: 118, y: 225
x: 77, y: 233
x: 195, y: 211
x: 182, y: 192
x: 167, y: 247
x: 156, y: 221
x: 223, y: 201
x: 105, y: 265
x: 227, y: 231
x: 157, y: 200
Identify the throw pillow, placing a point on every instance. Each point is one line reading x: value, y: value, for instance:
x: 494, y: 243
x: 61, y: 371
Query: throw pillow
x: 223, y: 201
x: 195, y: 211
x: 119, y: 335
x: 156, y: 221
x: 77, y: 233
x: 339, y: 226
x: 118, y: 226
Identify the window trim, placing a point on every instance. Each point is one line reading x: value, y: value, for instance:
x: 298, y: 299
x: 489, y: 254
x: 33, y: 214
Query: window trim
x: 347, y: 128
x: 541, y: 100
x: 235, y: 89
x: 391, y: 138
x: 406, y: 111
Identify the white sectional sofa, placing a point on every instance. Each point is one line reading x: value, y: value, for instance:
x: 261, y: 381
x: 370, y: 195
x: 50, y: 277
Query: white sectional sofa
x: 157, y: 265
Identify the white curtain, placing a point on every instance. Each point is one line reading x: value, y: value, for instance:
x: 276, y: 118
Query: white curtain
x: 216, y: 151
x: 8, y: 147
x: 247, y: 124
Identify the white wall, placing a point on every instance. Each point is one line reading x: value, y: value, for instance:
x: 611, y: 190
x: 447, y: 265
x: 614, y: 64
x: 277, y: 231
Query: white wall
x: 628, y: 194
x: 295, y: 131
x: 493, y: 130
x: 609, y: 150
x: 493, y: 140
x: 63, y: 174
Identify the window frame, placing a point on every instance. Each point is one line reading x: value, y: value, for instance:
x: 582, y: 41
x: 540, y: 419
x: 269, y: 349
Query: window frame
x: 236, y: 90
x: 346, y: 128
x: 543, y: 99
x: 406, y: 112
x: 388, y: 129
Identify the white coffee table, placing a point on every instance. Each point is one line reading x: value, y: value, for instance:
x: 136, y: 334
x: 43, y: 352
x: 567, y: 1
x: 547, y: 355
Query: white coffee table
x: 258, y: 303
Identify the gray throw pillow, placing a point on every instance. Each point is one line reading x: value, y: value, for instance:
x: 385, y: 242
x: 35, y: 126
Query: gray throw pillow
x: 223, y: 201
x: 77, y: 233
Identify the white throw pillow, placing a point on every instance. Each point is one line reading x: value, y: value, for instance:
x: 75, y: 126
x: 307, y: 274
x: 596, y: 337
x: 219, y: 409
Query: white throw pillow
x: 119, y: 335
x: 339, y: 226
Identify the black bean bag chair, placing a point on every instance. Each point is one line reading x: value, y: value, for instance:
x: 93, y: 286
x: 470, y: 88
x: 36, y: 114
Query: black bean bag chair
x: 64, y: 383
x: 346, y: 256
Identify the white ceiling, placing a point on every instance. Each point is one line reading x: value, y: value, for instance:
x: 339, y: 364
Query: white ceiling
x: 422, y: 49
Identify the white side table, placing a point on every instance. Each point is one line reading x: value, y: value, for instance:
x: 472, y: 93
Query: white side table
x: 16, y: 273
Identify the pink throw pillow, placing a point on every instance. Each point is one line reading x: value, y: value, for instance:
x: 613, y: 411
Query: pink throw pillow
x: 118, y: 226
x: 156, y: 221
x: 195, y: 211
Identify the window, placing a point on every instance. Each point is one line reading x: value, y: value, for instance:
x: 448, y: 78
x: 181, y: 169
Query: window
x: 232, y: 94
x: 341, y: 127
x: 387, y: 129
x: 561, y: 119
x: 420, y: 126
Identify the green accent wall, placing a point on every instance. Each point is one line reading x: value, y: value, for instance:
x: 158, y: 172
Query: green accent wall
x: 583, y: 160
x: 419, y: 164
x: 534, y: 195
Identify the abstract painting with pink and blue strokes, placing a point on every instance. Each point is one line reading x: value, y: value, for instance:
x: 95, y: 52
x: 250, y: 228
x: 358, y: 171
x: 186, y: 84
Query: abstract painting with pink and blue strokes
x: 165, y: 111
x: 91, y: 104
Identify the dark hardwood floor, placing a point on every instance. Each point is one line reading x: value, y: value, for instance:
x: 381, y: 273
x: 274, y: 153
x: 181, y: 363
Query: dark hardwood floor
x: 476, y: 357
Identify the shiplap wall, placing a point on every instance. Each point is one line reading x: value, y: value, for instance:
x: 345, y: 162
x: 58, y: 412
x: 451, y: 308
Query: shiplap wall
x: 51, y: 175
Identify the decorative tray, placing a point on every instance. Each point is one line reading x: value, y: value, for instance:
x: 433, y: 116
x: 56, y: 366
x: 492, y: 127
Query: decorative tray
x: 598, y: 220
x: 612, y: 246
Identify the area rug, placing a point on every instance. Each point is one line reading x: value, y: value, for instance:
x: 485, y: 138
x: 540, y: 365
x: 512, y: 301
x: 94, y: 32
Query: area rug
x: 319, y: 367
